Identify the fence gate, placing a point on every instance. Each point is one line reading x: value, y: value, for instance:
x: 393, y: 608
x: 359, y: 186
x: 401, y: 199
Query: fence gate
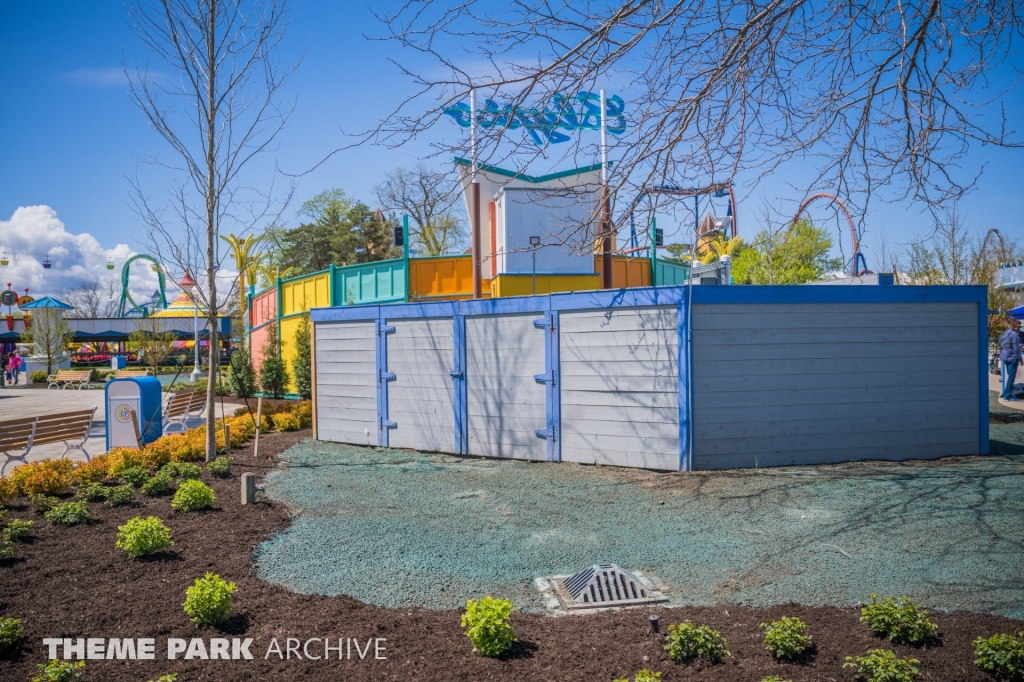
x: 346, y: 382
x: 421, y: 397
x: 506, y: 405
x: 620, y: 387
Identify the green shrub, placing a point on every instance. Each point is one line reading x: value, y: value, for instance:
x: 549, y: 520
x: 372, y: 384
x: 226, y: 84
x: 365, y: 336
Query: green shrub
x: 241, y: 375
x: 160, y: 483
x: 92, y: 491
x: 120, y: 496
x: 881, y: 665
x: 786, y: 637
x: 487, y: 624
x: 44, y: 503
x: 192, y: 496
x: 183, y: 470
x: 220, y: 467
x: 38, y: 376
x: 59, y: 671
x: 68, y: 514
x: 11, y: 633
x: 686, y: 641
x: 644, y: 675
x: 8, y: 548
x: 139, y: 536
x: 1001, y: 655
x: 134, y: 476
x: 899, y: 619
x: 775, y: 678
x: 169, y: 677
x: 208, y: 601
x: 17, y: 529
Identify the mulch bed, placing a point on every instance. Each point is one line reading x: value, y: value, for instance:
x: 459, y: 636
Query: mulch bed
x: 72, y: 582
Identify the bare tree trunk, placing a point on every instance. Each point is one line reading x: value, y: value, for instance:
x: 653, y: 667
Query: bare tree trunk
x: 211, y: 231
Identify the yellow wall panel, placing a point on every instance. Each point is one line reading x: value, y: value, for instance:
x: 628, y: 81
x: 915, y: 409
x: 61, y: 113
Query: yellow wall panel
x: 289, y: 326
x: 626, y: 272
x: 522, y: 285
x: 312, y: 291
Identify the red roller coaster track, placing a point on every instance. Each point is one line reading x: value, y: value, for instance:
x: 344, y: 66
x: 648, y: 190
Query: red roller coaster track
x: 853, y: 230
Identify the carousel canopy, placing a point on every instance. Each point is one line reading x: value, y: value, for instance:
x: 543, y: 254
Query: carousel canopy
x: 183, y: 306
x: 47, y: 302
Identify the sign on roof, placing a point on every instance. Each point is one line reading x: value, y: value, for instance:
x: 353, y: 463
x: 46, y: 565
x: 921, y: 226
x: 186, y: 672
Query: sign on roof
x: 582, y: 112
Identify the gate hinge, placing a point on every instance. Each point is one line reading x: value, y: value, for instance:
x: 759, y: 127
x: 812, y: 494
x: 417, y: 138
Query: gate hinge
x: 387, y: 376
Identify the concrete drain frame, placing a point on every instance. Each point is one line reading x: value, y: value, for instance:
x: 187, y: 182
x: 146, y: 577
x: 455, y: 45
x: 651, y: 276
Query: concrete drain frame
x: 564, y: 594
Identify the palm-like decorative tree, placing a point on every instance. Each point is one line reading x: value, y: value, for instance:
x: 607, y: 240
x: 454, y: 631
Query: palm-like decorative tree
x: 247, y: 259
x: 720, y: 247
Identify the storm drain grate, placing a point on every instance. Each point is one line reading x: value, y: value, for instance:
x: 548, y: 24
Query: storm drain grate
x: 604, y: 585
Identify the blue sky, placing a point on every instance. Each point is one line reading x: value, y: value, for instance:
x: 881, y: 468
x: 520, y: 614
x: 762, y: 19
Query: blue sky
x: 71, y: 138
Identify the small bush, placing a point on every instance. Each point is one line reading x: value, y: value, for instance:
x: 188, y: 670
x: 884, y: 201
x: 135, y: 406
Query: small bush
x: 8, y: 548
x: 488, y: 626
x: 122, y: 459
x: 17, y: 529
x: 46, y: 477
x: 208, y: 601
x: 11, y: 633
x: 68, y: 514
x: 786, y: 637
x: 120, y: 496
x: 8, y: 490
x: 899, y: 619
x: 44, y: 503
x: 644, y: 675
x: 96, y: 469
x: 92, y: 491
x: 775, y: 678
x: 169, y: 677
x: 157, y: 485
x: 139, y: 537
x: 38, y: 376
x: 220, y: 467
x: 687, y: 641
x: 285, y: 421
x: 304, y: 411
x: 1001, y: 655
x: 134, y: 476
x: 183, y: 470
x: 882, y: 665
x: 192, y: 496
x: 59, y: 671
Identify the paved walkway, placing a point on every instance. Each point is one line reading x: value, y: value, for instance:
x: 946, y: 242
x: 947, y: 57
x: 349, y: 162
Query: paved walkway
x: 30, y: 402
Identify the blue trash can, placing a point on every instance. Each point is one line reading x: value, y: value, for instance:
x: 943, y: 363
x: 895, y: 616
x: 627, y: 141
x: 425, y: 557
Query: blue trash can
x: 141, y: 394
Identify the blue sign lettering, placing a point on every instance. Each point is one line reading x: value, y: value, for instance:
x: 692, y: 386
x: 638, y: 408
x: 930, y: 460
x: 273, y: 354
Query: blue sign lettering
x: 544, y: 124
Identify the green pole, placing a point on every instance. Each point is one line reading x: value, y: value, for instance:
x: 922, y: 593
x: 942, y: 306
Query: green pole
x: 654, y: 250
x: 331, y: 295
x: 280, y: 311
x: 405, y: 253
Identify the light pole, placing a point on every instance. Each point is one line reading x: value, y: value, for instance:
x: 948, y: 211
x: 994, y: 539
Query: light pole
x: 534, y: 243
x: 188, y: 285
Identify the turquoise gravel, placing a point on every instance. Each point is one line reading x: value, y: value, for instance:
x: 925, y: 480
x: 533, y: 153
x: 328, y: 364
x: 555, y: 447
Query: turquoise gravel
x: 398, y: 528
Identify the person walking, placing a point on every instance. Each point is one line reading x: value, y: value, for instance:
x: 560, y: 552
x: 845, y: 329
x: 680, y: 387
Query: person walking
x: 16, y: 365
x: 1010, y: 354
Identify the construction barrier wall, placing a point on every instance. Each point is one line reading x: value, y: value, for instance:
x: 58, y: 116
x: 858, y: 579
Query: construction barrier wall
x: 764, y: 376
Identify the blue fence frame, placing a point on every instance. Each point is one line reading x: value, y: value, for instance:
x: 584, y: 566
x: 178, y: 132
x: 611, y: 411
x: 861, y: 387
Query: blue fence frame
x: 548, y: 308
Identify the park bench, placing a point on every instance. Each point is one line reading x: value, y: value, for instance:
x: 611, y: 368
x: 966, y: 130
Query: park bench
x: 179, y: 408
x: 68, y: 377
x: 70, y: 428
x: 128, y: 374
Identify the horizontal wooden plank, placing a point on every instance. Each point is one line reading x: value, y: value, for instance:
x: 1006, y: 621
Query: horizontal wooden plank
x: 623, y: 426
x: 623, y: 325
x: 629, y: 311
x: 788, y: 351
x: 812, y: 424
x: 357, y: 346
x: 436, y: 404
x: 842, y: 410
x: 536, y: 451
x: 599, y: 398
x: 624, y: 384
x: 364, y: 356
x: 604, y: 456
x: 837, y: 367
x: 646, y: 368
x: 836, y: 320
x: 361, y: 381
x: 345, y: 331
x: 527, y: 422
x: 354, y: 436
x: 479, y: 385
x: 363, y: 409
x: 864, y: 439
x: 622, y: 443
x: 833, y: 394
x: 668, y: 413
x: 413, y: 385
x: 582, y: 341
x: 836, y: 455
x: 954, y: 378
x: 824, y: 308
x: 818, y: 335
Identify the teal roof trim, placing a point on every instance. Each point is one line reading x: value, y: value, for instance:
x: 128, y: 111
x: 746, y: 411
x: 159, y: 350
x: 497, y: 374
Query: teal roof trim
x: 529, y: 178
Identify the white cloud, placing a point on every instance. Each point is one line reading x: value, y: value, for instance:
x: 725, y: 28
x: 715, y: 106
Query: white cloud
x: 96, y: 78
x: 35, y: 232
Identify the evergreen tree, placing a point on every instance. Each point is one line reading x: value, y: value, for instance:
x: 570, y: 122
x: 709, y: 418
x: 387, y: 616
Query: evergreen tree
x: 241, y: 375
x: 273, y: 373
x: 302, y: 367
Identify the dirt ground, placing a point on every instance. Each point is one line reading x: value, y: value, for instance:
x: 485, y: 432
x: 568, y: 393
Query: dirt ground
x: 72, y: 582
